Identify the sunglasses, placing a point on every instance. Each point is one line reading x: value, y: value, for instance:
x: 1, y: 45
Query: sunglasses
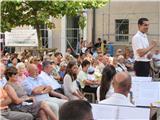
x: 14, y: 73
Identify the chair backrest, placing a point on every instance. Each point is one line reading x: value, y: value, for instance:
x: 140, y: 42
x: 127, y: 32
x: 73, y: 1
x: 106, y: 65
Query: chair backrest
x: 90, y: 96
x: 98, y: 93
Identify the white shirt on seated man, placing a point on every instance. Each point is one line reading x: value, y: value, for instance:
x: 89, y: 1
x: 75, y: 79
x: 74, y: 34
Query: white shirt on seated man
x: 122, y: 86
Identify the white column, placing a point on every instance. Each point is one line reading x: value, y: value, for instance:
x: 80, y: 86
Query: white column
x: 85, y: 28
x: 50, y: 38
x: 89, y: 25
x: 63, y: 35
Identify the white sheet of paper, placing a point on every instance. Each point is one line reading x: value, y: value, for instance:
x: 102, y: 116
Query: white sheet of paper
x: 145, y: 93
x: 110, y: 112
x: 134, y: 113
x: 141, y: 79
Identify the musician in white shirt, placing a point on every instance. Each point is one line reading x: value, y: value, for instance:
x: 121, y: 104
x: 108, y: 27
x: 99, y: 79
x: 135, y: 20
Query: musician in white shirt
x: 142, y: 48
x: 122, y: 86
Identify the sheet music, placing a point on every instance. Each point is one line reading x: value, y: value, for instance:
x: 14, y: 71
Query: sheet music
x: 101, y: 112
x: 141, y: 79
x: 145, y: 93
x: 134, y: 113
x: 111, y: 112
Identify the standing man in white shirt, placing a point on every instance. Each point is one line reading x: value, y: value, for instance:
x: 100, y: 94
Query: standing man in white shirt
x: 142, y: 48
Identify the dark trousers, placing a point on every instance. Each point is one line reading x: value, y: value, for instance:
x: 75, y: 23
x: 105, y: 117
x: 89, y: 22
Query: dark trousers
x: 142, y: 68
x: 89, y: 89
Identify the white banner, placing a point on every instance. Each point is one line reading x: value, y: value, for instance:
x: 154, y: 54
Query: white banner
x: 21, y: 38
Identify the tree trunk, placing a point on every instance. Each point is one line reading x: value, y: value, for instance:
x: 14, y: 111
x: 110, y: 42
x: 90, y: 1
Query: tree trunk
x: 39, y: 36
x: 38, y: 31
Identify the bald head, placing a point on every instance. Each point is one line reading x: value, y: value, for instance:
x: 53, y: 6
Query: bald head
x: 33, y: 70
x: 122, y: 83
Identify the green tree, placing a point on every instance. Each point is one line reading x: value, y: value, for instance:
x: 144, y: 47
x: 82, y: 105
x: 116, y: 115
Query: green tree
x: 36, y: 13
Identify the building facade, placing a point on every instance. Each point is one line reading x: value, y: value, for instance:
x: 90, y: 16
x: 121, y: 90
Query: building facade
x: 117, y: 21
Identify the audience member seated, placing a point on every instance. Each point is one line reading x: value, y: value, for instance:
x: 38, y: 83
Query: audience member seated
x: 36, y: 88
x: 37, y: 61
x: 3, y: 80
x: 4, y: 60
x: 62, y: 70
x: 101, y: 62
x: 93, y: 75
x: 155, y: 65
x: 55, y: 70
x: 22, y: 102
x: 90, y: 73
x: 76, y: 110
x: 71, y: 89
x: 6, y: 113
x: 22, y: 72
x: 129, y: 61
x: 84, y: 82
x: 156, y: 58
x: 13, y: 62
x: 105, y: 90
x: 120, y: 67
x: 5, y: 100
x: 59, y: 57
x: 47, y: 78
x: 118, y: 52
x: 122, y: 86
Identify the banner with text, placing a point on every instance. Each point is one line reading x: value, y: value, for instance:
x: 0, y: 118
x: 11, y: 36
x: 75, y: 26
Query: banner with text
x: 21, y: 38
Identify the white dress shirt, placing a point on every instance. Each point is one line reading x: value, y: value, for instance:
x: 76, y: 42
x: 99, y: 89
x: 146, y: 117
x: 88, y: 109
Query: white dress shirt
x: 117, y: 99
x: 49, y: 80
x: 140, y: 41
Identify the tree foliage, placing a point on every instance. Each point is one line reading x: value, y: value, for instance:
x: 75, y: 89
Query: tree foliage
x: 35, y: 13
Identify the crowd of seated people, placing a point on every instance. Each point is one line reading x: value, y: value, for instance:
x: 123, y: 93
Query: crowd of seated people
x: 40, y: 85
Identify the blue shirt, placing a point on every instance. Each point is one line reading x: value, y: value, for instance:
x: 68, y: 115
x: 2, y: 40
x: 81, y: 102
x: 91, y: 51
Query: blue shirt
x: 62, y: 74
x: 49, y: 80
x: 110, y: 49
x: 30, y: 83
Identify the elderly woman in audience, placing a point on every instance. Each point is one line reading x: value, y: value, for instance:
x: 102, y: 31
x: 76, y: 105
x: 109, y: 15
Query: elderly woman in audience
x: 105, y: 90
x: 24, y: 103
x: 71, y: 89
x: 22, y: 72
